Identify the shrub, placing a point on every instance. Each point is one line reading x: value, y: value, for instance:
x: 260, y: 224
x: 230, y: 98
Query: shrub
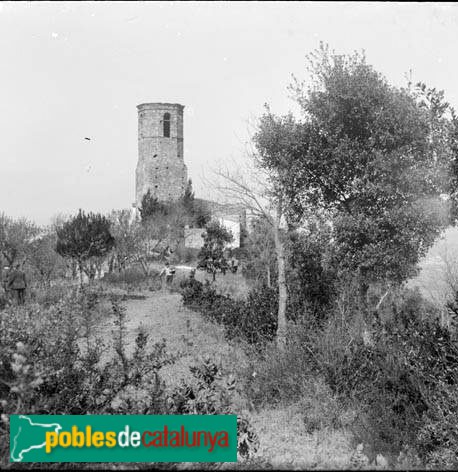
x: 131, y: 277
x: 211, y: 394
x: 49, y: 296
x: 311, y: 282
x: 253, y: 319
x: 50, y: 364
x: 185, y: 254
x: 400, y: 375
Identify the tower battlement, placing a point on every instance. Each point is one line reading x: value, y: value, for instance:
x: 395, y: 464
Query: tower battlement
x: 160, y: 168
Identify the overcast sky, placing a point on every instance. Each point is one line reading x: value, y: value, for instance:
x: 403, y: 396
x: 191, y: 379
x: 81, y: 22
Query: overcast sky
x: 76, y: 70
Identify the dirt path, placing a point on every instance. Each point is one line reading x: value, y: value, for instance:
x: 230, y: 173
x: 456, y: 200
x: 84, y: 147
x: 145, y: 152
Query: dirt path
x: 162, y: 315
x: 283, y: 440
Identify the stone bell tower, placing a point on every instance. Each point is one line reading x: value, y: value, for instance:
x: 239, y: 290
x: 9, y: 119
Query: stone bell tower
x: 160, y: 168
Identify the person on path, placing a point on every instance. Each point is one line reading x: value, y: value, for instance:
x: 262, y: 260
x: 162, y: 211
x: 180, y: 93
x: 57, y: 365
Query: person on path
x: 234, y: 264
x: 168, y: 271
x: 18, y: 283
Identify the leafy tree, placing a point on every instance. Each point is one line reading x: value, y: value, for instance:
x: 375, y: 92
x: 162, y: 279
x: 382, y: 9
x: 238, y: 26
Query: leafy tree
x: 151, y: 206
x: 201, y: 214
x: 196, y: 209
x: 216, y: 237
x: 374, y: 156
x: 260, y: 261
x: 86, y: 238
x: 310, y: 273
x: 188, y: 199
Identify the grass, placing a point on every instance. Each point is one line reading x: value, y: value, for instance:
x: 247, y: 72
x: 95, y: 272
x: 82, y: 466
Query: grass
x: 285, y: 439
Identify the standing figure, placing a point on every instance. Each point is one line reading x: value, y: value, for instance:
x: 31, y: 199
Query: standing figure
x: 18, y: 283
x: 168, y: 271
x: 234, y: 264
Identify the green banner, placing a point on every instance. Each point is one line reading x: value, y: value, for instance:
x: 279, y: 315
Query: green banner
x: 123, y: 438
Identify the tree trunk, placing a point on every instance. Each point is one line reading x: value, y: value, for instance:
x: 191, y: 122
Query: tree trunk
x: 144, y: 266
x: 80, y: 268
x: 269, y: 283
x: 282, y: 291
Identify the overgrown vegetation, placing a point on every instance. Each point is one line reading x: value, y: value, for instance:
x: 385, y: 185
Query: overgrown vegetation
x: 52, y: 363
x: 253, y: 319
x: 360, y: 182
x: 353, y: 196
x: 212, y: 254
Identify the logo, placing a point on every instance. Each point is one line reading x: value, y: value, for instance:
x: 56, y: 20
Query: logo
x: 119, y: 438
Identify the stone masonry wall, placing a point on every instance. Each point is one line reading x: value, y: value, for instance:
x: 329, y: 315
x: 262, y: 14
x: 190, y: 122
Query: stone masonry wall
x: 160, y: 166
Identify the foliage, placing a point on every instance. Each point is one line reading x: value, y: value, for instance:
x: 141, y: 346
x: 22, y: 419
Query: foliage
x: 398, y: 368
x: 126, y: 230
x: 310, y: 271
x: 15, y: 236
x: 259, y: 253
x: 184, y: 254
x: 86, y: 238
x: 44, y: 259
x: 311, y: 274
x: 150, y: 207
x: 201, y: 214
x: 50, y: 364
x: 162, y: 233
x: 188, y: 199
x: 216, y: 237
x: 131, y: 277
x: 375, y: 156
x: 196, y: 209
x: 253, y: 319
x: 48, y: 295
x: 161, y: 229
x: 212, y: 395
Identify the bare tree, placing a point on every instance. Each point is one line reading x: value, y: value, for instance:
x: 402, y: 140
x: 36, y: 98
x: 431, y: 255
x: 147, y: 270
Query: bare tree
x: 254, y: 188
x: 15, y: 237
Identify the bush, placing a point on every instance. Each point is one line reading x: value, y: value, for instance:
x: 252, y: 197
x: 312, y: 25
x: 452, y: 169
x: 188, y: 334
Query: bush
x: 254, y: 319
x: 311, y: 282
x: 185, y: 254
x: 400, y: 371
x: 50, y: 364
x: 49, y: 296
x: 131, y: 277
x: 211, y: 394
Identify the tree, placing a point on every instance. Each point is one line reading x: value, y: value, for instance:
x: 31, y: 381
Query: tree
x: 161, y: 228
x: 43, y: 256
x: 375, y: 157
x: 86, y: 238
x: 201, y: 214
x: 196, y: 209
x: 15, y: 237
x: 150, y: 206
x: 261, y: 190
x: 188, y: 198
x: 127, y: 232
x: 216, y: 237
x: 260, y: 252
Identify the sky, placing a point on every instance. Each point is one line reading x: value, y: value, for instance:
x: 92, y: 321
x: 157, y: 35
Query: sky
x: 75, y: 70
